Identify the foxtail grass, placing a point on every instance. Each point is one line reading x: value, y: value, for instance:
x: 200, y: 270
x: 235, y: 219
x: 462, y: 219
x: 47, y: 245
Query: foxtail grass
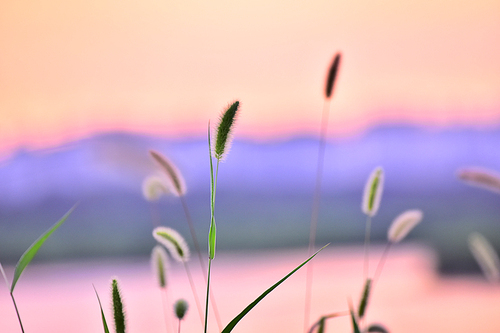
x: 479, y: 177
x: 180, y: 309
x: 179, y: 250
x: 399, y: 229
x: 160, y: 265
x: 330, y: 83
x: 118, y: 308
x: 220, y: 150
x: 485, y: 255
x: 178, y: 185
x: 372, y: 196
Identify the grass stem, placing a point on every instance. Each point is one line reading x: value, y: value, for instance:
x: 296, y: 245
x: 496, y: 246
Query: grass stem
x: 381, y: 262
x: 315, y: 209
x: 17, y: 311
x: 208, y: 294
x: 367, y: 247
x: 195, y: 294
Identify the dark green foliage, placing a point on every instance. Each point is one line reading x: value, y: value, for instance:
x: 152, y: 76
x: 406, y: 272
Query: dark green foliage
x: 354, y: 320
x: 321, y: 326
x: 224, y: 131
x: 119, y: 314
x: 377, y: 328
x: 363, y: 304
x: 332, y: 75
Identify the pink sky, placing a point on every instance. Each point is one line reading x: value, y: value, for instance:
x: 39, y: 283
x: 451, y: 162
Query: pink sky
x: 72, y: 68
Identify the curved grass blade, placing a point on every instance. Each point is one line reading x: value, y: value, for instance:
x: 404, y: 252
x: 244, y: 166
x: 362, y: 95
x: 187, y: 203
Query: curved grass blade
x: 377, y: 328
x: 354, y: 320
x: 33, y: 249
x: 243, y: 313
x: 364, y: 300
x: 104, y: 324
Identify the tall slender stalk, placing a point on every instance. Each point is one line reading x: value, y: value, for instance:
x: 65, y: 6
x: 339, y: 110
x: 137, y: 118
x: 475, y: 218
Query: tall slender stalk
x: 366, y: 265
x: 17, y: 311
x: 330, y: 82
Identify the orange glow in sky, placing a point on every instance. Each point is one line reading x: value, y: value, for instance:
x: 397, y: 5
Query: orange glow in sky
x: 73, y: 68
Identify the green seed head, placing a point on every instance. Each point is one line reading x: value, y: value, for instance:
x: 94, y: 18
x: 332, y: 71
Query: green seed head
x: 403, y: 224
x: 180, y: 308
x: 373, y: 192
x: 118, y: 311
x: 173, y: 241
x: 159, y: 264
x: 332, y: 75
x: 175, y: 181
x: 223, y: 139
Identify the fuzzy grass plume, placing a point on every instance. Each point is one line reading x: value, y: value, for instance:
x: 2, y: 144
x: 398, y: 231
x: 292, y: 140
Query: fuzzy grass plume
x: 153, y: 187
x: 118, y: 311
x: 222, y: 142
x: 403, y: 224
x: 485, y: 255
x: 175, y: 180
x: 373, y: 192
x: 483, y: 178
x: 159, y: 265
x: 174, y: 242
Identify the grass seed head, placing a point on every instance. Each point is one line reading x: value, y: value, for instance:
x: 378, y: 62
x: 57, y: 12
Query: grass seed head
x: 403, y: 224
x: 485, y: 255
x: 222, y: 142
x: 486, y: 179
x: 180, y: 308
x: 175, y: 182
x: 160, y: 265
x: 118, y: 310
x: 373, y: 192
x: 153, y: 187
x: 332, y: 75
x: 173, y: 241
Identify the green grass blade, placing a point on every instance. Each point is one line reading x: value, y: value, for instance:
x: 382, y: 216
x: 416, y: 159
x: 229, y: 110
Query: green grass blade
x: 363, y: 304
x: 354, y: 320
x: 33, y: 249
x: 243, y: 313
x: 104, y: 323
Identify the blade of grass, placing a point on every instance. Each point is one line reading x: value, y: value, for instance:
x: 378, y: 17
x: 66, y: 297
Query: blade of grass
x: 363, y: 304
x: 104, y: 323
x: 243, y: 313
x: 33, y: 249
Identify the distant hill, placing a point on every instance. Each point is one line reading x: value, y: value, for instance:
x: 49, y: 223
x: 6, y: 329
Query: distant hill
x: 264, y: 194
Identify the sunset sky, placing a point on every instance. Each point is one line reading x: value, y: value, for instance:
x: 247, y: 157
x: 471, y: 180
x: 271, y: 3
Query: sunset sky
x: 73, y: 68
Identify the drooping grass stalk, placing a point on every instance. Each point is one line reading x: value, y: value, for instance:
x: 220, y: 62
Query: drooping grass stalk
x: 372, y: 196
x: 159, y: 264
x: 219, y: 151
x: 399, y: 229
x: 195, y: 293
x: 330, y: 82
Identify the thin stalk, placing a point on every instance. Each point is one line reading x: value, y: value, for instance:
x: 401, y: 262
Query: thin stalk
x: 200, y: 258
x: 17, y: 312
x: 367, y: 246
x: 165, y: 309
x: 381, y: 262
x: 315, y: 208
x: 208, y: 293
x: 179, y: 330
x: 195, y: 294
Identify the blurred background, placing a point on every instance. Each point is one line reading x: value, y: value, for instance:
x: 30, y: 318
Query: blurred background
x: 87, y: 87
